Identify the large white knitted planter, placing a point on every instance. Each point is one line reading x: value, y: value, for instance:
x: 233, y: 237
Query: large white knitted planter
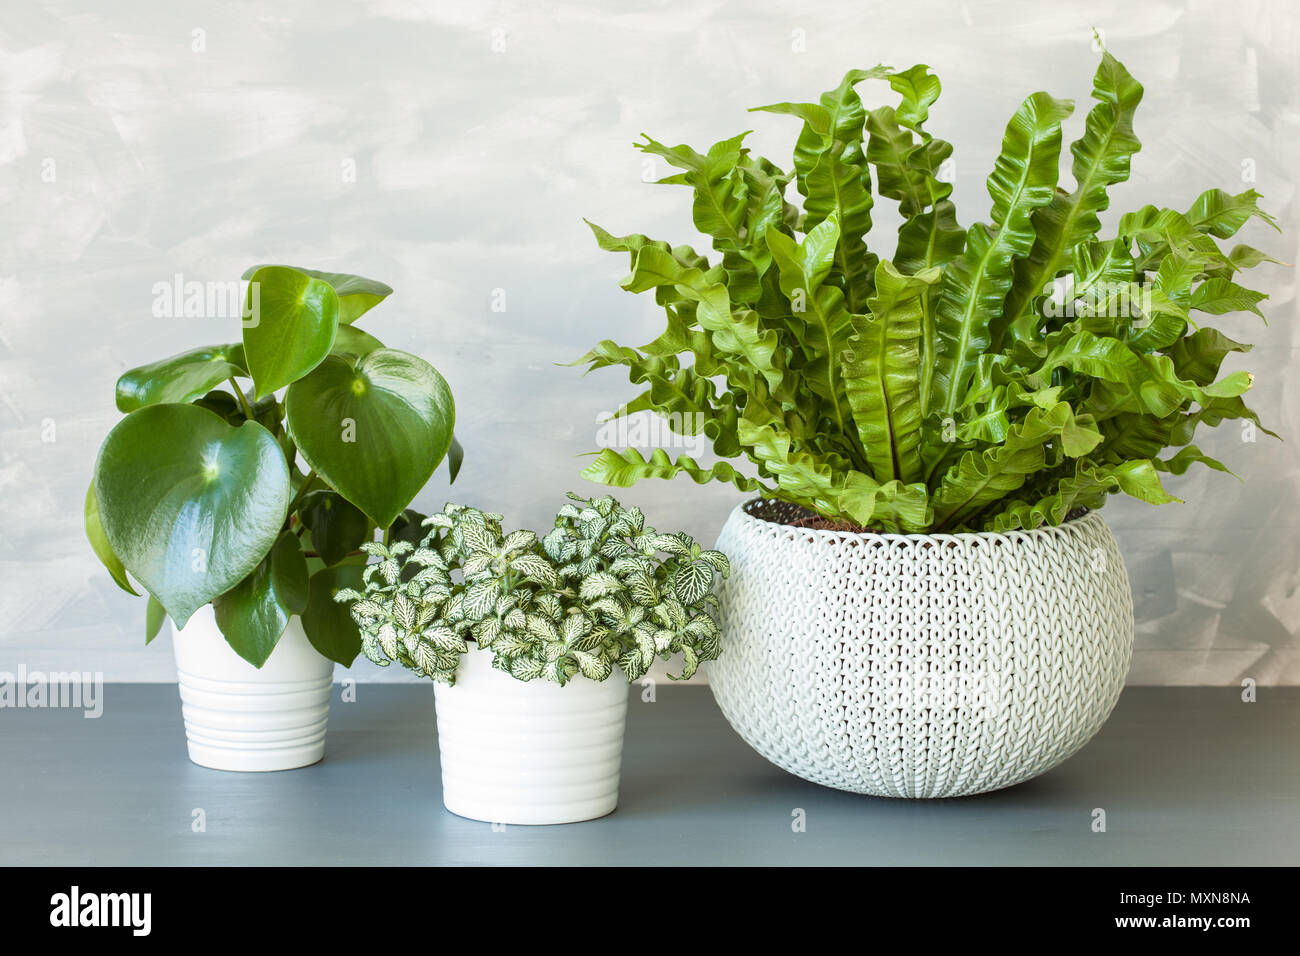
x: 529, y: 752
x: 239, y: 717
x: 919, y: 665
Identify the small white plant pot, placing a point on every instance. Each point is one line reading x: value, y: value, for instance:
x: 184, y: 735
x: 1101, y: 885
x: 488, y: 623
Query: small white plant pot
x: 239, y: 717
x: 919, y: 665
x: 529, y: 752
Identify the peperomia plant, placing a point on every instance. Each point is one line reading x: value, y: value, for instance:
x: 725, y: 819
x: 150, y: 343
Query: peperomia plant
x: 989, y: 378
x: 198, y: 493
x: 600, y: 589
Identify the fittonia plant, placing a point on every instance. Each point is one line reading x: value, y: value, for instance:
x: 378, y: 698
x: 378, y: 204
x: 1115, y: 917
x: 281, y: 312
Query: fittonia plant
x: 600, y: 590
x: 990, y: 377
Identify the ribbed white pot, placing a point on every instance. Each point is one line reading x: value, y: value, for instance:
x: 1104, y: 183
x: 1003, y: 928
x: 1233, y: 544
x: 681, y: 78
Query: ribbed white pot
x: 919, y: 665
x: 529, y: 752
x: 239, y: 717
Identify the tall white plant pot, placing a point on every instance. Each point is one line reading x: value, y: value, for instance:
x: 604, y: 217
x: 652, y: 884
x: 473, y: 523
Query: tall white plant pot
x: 919, y: 665
x: 529, y: 752
x: 239, y: 717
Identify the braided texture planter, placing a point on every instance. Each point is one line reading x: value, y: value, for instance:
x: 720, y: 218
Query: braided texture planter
x: 919, y: 665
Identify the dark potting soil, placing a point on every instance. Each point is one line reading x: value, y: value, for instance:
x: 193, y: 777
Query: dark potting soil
x: 783, y: 512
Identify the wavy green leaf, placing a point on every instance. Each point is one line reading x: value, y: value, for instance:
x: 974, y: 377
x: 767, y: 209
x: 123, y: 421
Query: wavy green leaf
x: 975, y: 285
x: 882, y: 373
x: 825, y: 323
x: 833, y: 176
x: 980, y: 478
x: 983, y: 390
x: 1101, y: 159
x: 624, y: 469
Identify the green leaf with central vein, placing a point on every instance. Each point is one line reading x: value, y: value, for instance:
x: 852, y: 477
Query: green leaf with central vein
x: 1101, y: 159
x: 376, y: 430
x: 99, y: 543
x: 253, y: 614
x: 189, y: 503
x: 983, y: 477
x: 834, y: 177
x: 329, y: 626
x: 293, y: 318
x: 181, y: 378
x: 337, y: 526
x: 881, y: 374
x: 945, y: 389
x: 823, y: 319
x: 975, y: 286
x: 357, y: 295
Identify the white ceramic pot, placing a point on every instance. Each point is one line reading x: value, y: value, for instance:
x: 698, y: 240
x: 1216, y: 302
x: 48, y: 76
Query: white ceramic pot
x: 239, y: 717
x: 919, y: 665
x: 529, y: 752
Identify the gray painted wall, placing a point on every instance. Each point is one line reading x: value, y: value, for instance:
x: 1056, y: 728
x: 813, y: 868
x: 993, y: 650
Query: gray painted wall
x: 480, y: 135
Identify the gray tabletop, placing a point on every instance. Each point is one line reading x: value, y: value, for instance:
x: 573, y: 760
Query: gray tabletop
x: 1184, y: 775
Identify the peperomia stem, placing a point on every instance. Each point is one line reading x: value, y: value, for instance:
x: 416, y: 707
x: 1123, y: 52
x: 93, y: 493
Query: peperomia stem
x: 297, y: 499
x: 243, y: 400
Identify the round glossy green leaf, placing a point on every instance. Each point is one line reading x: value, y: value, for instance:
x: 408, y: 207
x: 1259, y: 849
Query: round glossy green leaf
x: 328, y: 624
x: 337, y: 526
x: 189, y: 503
x: 98, y: 541
x: 376, y: 430
x: 254, y: 613
x: 293, y: 318
x: 180, y: 378
x: 357, y: 294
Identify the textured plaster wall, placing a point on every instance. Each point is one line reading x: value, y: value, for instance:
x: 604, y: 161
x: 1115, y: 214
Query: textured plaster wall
x: 142, y: 138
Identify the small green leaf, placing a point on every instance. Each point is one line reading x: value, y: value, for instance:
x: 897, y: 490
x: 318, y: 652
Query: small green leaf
x: 328, y: 624
x: 598, y: 585
x: 99, y: 542
x: 338, y: 528
x: 455, y: 456
x: 357, y: 295
x: 254, y: 613
x: 154, y: 616
x: 593, y: 666
x: 179, y: 379
x: 693, y: 581
x: 481, y: 597
x: 408, y: 527
x: 535, y: 567
x: 292, y: 321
